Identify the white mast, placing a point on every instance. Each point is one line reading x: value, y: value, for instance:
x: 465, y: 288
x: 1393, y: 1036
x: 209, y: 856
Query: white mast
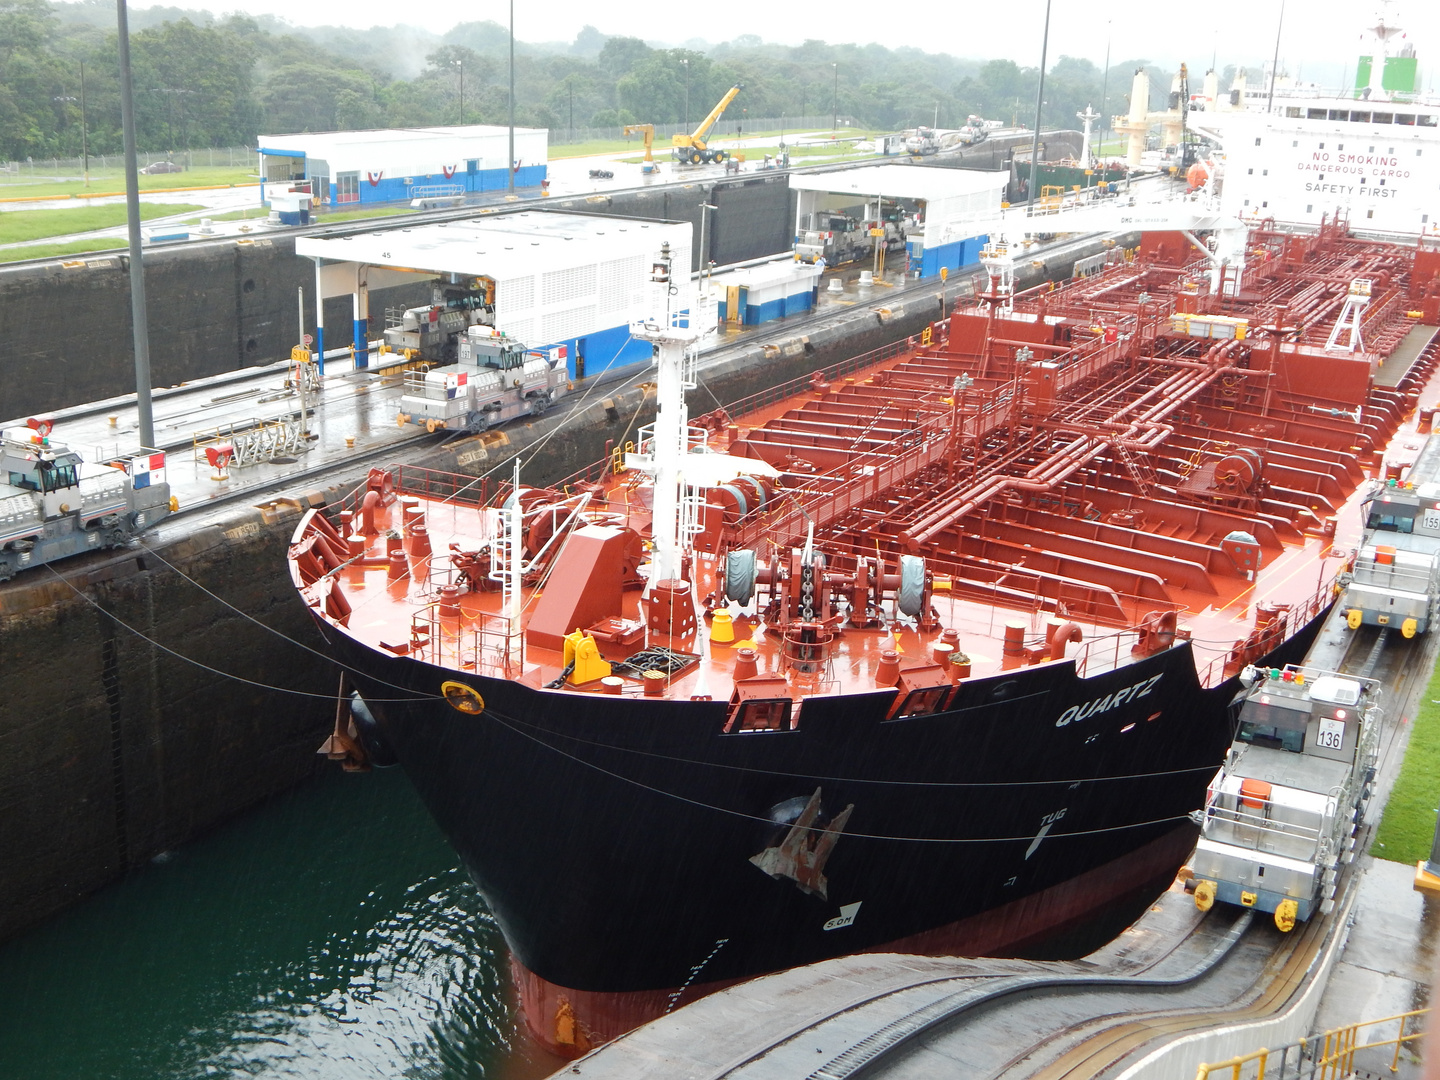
x: 674, y: 328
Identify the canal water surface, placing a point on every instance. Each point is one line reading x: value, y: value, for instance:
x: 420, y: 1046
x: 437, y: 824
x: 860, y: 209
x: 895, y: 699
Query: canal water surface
x: 328, y: 933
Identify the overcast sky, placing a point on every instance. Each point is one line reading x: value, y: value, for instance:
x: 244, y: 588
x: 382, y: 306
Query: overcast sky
x: 1236, y: 31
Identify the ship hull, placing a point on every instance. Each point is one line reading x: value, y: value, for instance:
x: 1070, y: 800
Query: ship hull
x: 635, y: 855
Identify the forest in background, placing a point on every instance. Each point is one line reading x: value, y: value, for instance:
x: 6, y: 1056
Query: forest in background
x: 201, y: 81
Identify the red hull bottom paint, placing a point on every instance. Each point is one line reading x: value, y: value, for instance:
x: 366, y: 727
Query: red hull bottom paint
x: 570, y: 1022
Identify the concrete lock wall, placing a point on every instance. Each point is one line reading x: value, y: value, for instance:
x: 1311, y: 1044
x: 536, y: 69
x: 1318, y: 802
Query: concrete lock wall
x: 116, y: 750
x: 213, y: 307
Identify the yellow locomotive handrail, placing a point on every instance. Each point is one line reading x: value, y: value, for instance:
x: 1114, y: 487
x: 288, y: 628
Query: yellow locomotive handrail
x: 1336, y: 1051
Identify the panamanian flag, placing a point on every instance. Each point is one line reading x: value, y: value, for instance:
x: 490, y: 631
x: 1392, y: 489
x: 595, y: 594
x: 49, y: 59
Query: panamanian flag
x: 454, y: 382
x: 148, y: 469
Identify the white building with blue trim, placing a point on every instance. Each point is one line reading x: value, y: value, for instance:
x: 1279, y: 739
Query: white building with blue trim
x: 945, y: 201
x: 400, y: 164
x: 554, y: 279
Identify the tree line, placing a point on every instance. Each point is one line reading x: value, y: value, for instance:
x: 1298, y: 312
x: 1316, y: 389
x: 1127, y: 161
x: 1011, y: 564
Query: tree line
x: 201, y: 81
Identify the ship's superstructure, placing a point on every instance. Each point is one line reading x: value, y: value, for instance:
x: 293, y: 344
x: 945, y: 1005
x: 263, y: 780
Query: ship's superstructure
x: 1301, y: 154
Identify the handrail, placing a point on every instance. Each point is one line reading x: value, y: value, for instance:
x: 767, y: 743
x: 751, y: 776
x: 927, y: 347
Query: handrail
x: 1331, y: 1055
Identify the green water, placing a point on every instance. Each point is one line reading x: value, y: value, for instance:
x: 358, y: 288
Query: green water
x: 329, y: 933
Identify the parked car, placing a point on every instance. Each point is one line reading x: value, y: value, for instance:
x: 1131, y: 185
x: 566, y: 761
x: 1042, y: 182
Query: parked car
x: 601, y: 174
x: 161, y: 167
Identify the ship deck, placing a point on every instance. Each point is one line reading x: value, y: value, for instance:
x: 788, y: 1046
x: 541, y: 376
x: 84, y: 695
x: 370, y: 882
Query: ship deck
x: 1089, y: 476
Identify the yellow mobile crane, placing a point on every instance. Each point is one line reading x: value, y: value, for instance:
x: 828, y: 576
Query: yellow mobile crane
x: 647, y: 130
x: 692, y: 148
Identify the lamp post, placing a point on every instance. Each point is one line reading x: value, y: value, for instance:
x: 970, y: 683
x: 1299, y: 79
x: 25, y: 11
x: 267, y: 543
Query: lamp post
x: 510, y: 163
x: 686, y: 62
x: 461, y: 65
x: 140, y: 325
x: 1105, y: 92
x: 1039, y: 103
x: 835, y: 101
x: 84, y: 138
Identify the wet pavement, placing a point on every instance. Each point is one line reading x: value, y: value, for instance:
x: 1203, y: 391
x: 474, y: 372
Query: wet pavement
x: 1388, y: 966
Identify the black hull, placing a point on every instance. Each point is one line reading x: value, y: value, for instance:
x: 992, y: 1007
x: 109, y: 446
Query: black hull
x: 613, y: 838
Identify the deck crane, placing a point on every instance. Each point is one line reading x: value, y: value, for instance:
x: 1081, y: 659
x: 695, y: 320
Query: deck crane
x: 692, y: 148
x: 647, y: 130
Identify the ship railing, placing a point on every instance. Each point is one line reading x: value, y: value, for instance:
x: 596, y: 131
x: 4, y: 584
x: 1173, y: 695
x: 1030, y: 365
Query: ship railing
x: 440, y: 486
x: 765, y: 398
x: 867, y: 481
x: 697, y: 440
x: 486, y: 647
x: 1332, y: 1055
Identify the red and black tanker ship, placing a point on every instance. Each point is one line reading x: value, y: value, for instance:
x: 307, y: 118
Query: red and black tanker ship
x: 934, y: 651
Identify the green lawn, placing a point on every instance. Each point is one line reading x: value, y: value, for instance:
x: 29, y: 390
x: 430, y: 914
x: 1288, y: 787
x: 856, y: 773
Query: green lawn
x: 329, y: 218
x: 110, y: 181
x: 55, y: 251
x: 1408, y: 826
x: 17, y: 226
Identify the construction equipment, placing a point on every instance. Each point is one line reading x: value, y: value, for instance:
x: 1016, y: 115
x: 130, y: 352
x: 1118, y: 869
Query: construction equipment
x: 647, y: 130
x: 692, y: 148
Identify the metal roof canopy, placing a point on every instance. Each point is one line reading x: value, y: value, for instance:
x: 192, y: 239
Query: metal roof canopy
x: 377, y: 144
x: 501, y: 246
x: 928, y: 182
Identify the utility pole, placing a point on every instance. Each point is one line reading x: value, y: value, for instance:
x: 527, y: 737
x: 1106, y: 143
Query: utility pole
x: 461, y: 65
x: 146, y: 420
x: 686, y: 62
x: 84, y: 138
x: 1104, y: 93
x: 1275, y: 63
x: 835, y: 101
x: 510, y: 163
x: 1039, y: 103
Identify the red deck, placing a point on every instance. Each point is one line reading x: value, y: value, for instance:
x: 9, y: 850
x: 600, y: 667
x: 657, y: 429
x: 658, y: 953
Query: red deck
x: 1081, y: 461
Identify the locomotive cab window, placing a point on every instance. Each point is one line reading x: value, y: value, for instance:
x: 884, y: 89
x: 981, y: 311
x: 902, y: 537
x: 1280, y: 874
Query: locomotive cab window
x: 54, y: 477
x: 1275, y: 726
x: 1386, y: 519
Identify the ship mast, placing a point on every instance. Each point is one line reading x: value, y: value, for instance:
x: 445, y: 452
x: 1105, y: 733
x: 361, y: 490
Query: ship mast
x: 672, y: 330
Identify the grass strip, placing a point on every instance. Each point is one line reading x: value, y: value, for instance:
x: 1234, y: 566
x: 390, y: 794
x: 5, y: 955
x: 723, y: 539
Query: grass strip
x: 17, y: 226
x: 55, y: 251
x: 1408, y: 826
x: 107, y: 180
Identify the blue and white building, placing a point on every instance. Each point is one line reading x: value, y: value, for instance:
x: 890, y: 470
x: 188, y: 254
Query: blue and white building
x: 363, y: 167
x: 940, y: 201
x: 557, y: 279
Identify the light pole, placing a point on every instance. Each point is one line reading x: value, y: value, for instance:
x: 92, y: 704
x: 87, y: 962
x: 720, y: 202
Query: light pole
x: 686, y: 62
x: 1039, y: 103
x: 835, y: 101
x: 1105, y: 92
x: 84, y: 138
x: 140, y: 325
x: 461, y: 65
x: 511, y: 162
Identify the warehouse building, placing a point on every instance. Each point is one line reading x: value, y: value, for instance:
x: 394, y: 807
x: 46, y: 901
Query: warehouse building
x: 363, y: 167
x: 928, y: 208
x: 561, y: 283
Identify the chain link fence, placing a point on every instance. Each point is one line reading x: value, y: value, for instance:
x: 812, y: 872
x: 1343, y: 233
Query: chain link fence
x: 34, y: 169
x: 726, y: 128
x: 236, y: 157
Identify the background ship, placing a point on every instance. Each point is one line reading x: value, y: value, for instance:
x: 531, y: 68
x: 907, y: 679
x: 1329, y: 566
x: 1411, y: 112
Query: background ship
x: 934, y: 651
